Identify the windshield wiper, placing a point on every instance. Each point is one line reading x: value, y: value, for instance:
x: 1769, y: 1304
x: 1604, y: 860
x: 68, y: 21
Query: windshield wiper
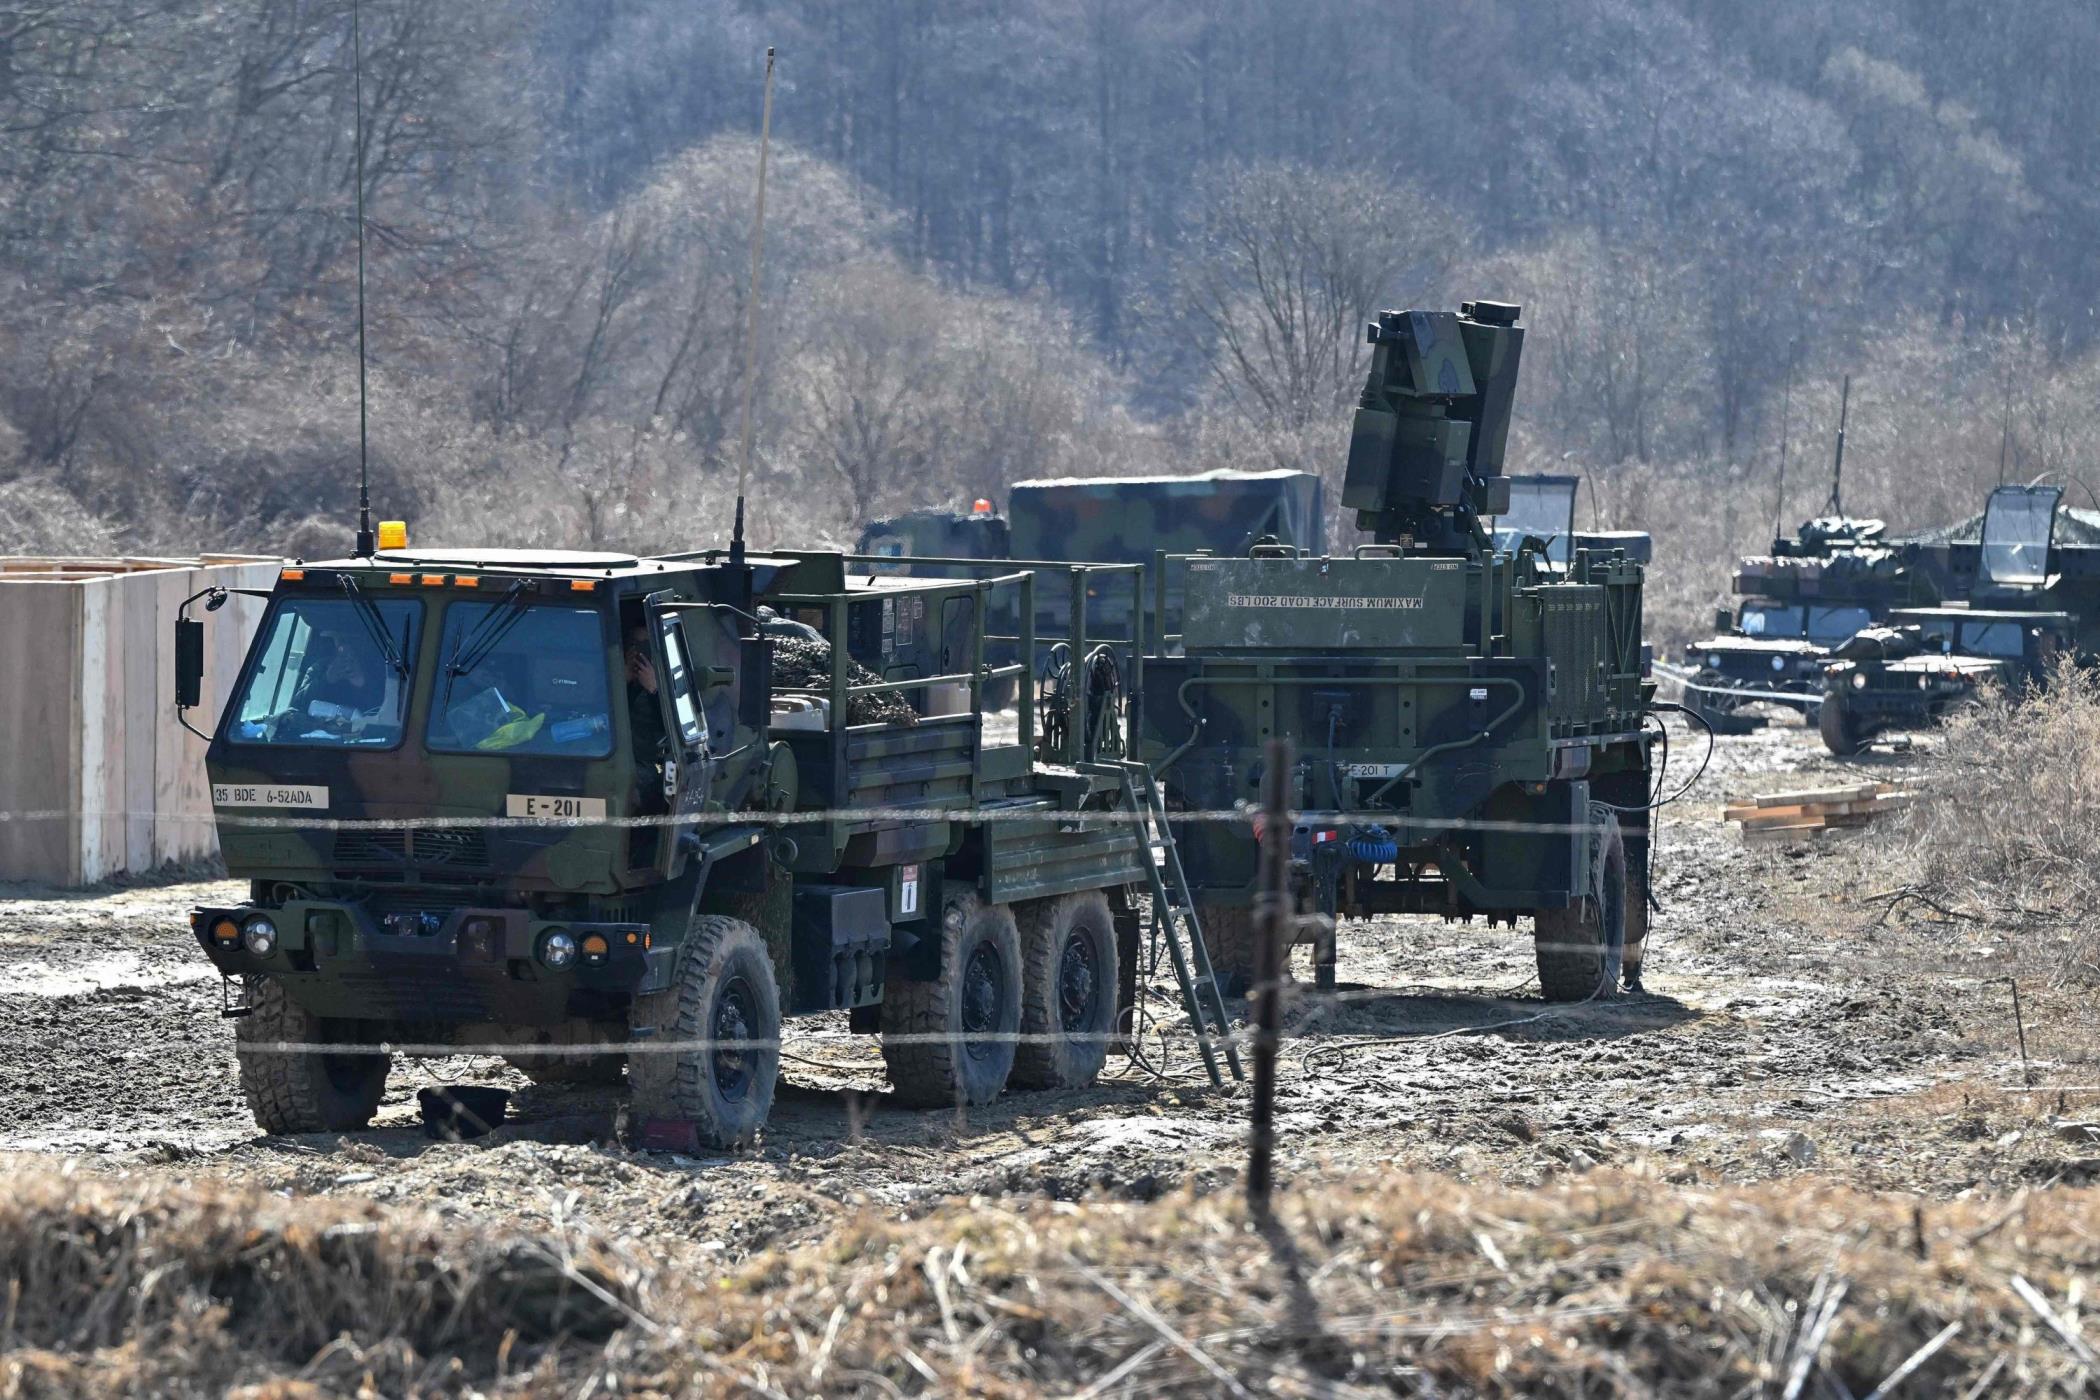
x: 375, y: 625
x: 474, y: 648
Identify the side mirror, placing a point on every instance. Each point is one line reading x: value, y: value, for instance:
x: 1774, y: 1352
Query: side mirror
x: 189, y: 663
x: 1724, y: 620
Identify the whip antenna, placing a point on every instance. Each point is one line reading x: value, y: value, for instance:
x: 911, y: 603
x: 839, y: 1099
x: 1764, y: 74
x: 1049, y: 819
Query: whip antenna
x: 1836, y: 504
x: 364, y: 468
x: 758, y: 245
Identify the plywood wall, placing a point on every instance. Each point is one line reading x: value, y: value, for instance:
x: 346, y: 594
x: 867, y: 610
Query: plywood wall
x: 97, y: 777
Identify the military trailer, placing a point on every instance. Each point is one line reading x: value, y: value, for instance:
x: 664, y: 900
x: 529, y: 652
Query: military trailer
x: 600, y: 810
x: 1819, y: 586
x: 1469, y: 721
x: 1927, y: 662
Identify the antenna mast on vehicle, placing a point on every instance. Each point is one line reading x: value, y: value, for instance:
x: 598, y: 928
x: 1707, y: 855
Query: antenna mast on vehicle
x: 1836, y: 504
x: 364, y: 545
x: 758, y: 245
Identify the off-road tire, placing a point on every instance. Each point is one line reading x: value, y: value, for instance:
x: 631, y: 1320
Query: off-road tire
x: 1636, y: 948
x: 303, y: 1091
x: 1581, y: 949
x: 1068, y: 990
x: 723, y: 991
x: 1834, y: 723
x: 1230, y: 936
x: 925, y: 1025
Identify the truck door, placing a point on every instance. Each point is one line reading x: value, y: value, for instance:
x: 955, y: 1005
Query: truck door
x: 689, y: 765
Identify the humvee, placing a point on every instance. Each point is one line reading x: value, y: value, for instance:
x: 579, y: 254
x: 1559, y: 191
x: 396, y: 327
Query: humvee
x: 1927, y: 662
x: 578, y: 809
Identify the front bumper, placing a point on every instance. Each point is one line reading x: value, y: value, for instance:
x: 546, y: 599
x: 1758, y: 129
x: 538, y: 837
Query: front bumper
x: 342, y: 959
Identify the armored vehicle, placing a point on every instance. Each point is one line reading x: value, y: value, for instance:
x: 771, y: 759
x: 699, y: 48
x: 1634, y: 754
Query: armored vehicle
x: 1817, y: 587
x: 2032, y: 600
x: 1469, y: 720
x: 597, y: 808
x: 1927, y: 662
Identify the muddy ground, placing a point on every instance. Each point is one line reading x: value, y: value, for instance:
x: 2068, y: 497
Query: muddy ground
x: 1787, y: 1028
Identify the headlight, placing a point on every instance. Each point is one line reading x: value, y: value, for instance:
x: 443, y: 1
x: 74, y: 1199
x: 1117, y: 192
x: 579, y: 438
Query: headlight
x: 558, y: 949
x: 1779, y: 663
x: 1859, y: 680
x: 260, y: 935
x: 1713, y: 659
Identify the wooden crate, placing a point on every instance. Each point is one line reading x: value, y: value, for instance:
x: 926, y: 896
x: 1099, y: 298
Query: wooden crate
x: 97, y: 778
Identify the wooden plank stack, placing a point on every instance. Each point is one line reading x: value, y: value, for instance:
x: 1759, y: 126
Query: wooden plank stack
x: 96, y: 776
x: 1779, y: 817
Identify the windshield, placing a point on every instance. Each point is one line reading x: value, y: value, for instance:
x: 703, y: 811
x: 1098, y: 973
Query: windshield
x: 1771, y: 622
x: 1992, y: 639
x: 2017, y: 521
x: 1543, y: 506
x: 523, y: 679
x: 1837, y: 624
x: 321, y: 677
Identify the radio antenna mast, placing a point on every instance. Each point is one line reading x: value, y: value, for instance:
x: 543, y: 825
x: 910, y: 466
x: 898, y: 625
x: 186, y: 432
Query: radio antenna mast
x: 758, y: 245
x: 1836, y: 503
x: 364, y: 547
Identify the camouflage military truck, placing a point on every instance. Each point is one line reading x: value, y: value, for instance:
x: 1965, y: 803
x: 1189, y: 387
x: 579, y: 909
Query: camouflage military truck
x: 977, y: 533
x: 597, y: 809
x: 1929, y: 661
x: 1816, y: 588
x: 1469, y: 721
x: 2032, y: 601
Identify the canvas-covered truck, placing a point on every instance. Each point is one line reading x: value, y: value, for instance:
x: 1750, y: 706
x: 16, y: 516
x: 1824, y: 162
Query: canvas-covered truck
x: 1469, y: 721
x: 598, y: 811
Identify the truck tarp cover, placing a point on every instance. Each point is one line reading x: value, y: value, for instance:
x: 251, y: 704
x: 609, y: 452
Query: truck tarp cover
x: 1123, y: 520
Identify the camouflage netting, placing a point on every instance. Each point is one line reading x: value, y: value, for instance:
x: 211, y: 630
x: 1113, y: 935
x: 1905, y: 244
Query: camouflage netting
x: 806, y: 665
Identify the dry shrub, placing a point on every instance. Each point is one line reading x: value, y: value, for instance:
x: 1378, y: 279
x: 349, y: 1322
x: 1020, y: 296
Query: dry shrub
x: 1599, y: 1284
x: 138, y: 1289
x: 2010, y: 818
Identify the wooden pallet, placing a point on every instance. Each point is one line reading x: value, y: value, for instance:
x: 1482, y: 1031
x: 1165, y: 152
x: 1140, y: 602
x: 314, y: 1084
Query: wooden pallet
x: 1776, y: 818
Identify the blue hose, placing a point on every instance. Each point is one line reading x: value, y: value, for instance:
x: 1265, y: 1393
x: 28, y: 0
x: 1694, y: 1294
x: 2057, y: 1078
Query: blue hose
x: 1372, y: 852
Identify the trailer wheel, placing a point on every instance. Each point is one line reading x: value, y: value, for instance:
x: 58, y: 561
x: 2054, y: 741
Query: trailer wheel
x: 951, y: 1040
x: 1068, y: 990
x: 1839, y: 730
x: 719, y: 1023
x: 1709, y: 696
x: 1636, y: 923
x: 1581, y: 949
x: 304, y: 1091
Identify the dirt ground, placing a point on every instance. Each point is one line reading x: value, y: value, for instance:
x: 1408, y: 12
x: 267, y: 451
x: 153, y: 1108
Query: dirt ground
x: 1788, y: 1028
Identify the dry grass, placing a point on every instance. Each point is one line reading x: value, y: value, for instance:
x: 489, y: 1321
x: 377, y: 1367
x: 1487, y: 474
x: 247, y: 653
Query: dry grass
x: 1600, y: 1284
x: 2008, y: 825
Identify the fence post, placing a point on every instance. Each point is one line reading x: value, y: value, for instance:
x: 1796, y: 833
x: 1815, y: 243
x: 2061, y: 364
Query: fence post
x: 1272, y: 931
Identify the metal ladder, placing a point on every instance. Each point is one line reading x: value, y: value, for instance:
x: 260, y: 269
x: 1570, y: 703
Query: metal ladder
x: 1173, y: 910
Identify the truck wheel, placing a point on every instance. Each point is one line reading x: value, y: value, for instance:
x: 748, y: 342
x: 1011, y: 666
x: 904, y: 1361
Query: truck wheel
x: 951, y: 1040
x: 1636, y: 923
x: 1229, y: 934
x: 1068, y: 990
x: 1840, y: 733
x: 304, y: 1091
x: 1581, y: 949
x: 720, y: 1022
